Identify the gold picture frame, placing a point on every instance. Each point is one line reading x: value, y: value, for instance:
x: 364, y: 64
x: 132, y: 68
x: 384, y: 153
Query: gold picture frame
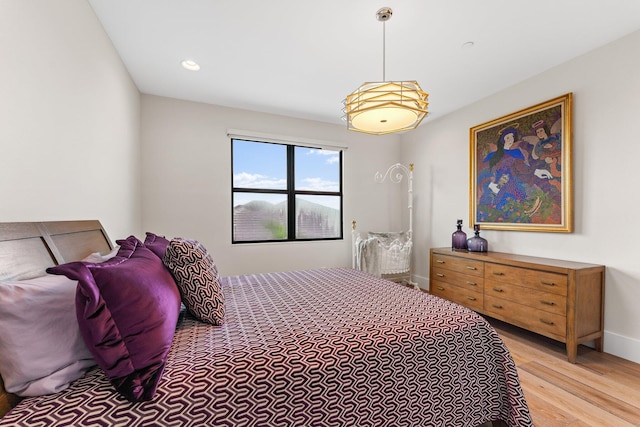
x: 521, y: 172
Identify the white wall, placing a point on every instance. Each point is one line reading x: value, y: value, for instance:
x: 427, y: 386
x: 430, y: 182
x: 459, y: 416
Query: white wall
x: 186, y: 183
x: 606, y: 89
x: 69, y: 119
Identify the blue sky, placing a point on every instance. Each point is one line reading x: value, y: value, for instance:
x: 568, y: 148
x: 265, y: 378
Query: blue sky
x: 260, y: 165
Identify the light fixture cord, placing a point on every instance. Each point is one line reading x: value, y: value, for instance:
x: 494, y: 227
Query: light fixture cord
x: 384, y: 44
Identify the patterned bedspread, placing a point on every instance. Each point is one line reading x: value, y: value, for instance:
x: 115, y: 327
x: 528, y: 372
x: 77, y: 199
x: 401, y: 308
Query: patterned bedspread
x: 327, y: 347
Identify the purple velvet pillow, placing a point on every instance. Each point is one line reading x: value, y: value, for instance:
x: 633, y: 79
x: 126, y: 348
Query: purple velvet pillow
x: 157, y: 244
x: 127, y: 310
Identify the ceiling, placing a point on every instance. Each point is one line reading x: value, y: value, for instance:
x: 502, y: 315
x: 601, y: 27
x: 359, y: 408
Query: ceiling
x: 300, y: 58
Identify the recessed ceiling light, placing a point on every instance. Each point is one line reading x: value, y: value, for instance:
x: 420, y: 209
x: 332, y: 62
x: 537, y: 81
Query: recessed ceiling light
x: 190, y: 65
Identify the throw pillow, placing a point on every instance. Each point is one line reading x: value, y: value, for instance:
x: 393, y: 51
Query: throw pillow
x: 41, y: 349
x: 157, y: 244
x: 197, y: 278
x: 127, y: 310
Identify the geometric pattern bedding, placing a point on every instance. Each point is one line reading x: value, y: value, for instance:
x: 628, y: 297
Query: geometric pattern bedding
x: 327, y: 347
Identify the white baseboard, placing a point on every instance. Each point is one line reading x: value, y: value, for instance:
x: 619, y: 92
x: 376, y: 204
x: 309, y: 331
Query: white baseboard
x: 422, y: 282
x: 621, y: 346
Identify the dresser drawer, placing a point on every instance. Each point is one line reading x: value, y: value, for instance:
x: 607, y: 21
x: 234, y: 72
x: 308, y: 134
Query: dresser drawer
x: 464, y: 280
x: 461, y: 265
x: 548, y: 324
x: 536, y: 279
x: 457, y: 294
x: 545, y: 301
x: 559, y: 299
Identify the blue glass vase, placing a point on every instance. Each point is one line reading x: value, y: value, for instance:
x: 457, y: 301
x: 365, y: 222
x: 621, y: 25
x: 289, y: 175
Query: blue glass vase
x: 459, y: 238
x: 477, y: 243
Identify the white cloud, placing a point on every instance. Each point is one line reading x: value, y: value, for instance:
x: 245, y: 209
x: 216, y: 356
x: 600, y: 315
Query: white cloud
x: 248, y: 180
x: 319, y: 184
x: 333, y: 159
x: 333, y: 156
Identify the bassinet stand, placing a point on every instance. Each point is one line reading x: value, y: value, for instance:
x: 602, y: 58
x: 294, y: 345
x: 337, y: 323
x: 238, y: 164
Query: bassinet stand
x: 395, y: 259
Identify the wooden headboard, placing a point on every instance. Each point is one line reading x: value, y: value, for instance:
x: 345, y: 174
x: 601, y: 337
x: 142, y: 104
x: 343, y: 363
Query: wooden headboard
x: 27, y: 249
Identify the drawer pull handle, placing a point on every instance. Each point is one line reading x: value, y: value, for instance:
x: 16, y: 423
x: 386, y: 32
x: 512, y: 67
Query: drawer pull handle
x: 547, y: 283
x: 472, y: 283
x: 440, y: 288
x: 496, y: 306
x: 498, y: 290
x: 471, y: 268
x: 498, y: 273
x: 471, y: 298
x: 548, y: 302
x: 439, y: 261
x: 439, y: 274
x: 547, y: 322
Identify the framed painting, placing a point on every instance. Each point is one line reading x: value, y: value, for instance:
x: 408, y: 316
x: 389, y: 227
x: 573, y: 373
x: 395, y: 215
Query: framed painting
x: 521, y: 171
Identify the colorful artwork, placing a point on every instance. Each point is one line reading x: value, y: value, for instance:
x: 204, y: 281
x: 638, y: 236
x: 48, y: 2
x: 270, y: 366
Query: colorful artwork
x: 521, y: 175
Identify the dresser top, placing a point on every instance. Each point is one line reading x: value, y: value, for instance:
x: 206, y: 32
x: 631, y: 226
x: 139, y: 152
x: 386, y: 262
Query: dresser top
x: 518, y: 260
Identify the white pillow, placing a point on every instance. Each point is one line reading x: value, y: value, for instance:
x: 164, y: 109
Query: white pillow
x: 98, y: 257
x: 41, y: 349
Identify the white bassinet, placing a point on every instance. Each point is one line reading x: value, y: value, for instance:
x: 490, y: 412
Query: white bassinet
x: 387, y: 254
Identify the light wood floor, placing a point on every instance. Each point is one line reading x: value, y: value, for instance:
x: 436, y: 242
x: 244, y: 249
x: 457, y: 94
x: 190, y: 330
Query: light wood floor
x: 599, y: 390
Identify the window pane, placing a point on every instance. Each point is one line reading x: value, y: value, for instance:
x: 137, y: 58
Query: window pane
x: 317, y: 217
x: 259, y: 165
x: 317, y: 170
x: 259, y: 216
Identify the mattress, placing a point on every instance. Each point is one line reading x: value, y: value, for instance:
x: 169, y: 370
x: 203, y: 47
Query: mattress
x: 325, y: 347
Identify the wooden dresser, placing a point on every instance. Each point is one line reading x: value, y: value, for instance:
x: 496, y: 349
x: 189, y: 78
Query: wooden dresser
x: 562, y: 300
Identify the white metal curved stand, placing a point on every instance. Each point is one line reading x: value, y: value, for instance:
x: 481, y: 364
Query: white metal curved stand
x: 387, y: 254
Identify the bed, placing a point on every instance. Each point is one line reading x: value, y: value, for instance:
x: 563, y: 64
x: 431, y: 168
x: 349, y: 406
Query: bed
x: 325, y: 347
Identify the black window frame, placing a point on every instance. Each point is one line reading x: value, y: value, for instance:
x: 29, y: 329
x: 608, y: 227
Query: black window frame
x: 290, y: 192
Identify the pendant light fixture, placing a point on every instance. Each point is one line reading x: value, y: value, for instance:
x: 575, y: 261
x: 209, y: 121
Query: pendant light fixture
x: 385, y: 107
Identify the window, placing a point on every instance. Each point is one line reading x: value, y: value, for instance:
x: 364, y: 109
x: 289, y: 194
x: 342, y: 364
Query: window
x: 284, y: 192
